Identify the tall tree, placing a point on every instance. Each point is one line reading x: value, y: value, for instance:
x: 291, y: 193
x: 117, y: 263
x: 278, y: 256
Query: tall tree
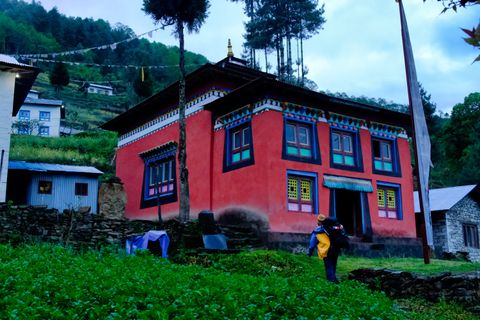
x: 59, y: 76
x: 143, y: 84
x: 190, y: 15
x: 275, y: 23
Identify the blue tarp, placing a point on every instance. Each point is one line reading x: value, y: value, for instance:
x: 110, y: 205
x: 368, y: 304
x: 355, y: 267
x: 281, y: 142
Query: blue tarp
x: 215, y: 241
x: 141, y: 242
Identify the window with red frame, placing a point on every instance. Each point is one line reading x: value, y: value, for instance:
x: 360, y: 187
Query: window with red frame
x: 299, y: 141
x: 342, y: 148
x: 300, y: 194
x: 240, y: 145
x: 382, y: 155
x: 388, y: 203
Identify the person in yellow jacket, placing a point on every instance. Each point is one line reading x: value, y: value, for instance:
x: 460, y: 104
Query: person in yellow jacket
x: 325, y: 250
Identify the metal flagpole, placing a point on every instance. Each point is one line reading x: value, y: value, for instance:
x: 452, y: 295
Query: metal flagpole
x: 421, y: 139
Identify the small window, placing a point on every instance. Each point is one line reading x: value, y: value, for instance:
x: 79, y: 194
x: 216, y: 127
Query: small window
x: 24, y: 115
x: 44, y: 116
x: 45, y: 187
x: 301, y: 193
x: 470, y: 236
x: 343, y: 149
x: 300, y: 142
x: 389, y: 204
x: 23, y: 129
x: 382, y: 155
x: 44, y: 131
x: 81, y: 189
x: 161, y: 178
x: 238, y: 147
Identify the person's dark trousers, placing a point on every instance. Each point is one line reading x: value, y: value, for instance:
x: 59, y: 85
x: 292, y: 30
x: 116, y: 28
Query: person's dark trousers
x: 330, y: 262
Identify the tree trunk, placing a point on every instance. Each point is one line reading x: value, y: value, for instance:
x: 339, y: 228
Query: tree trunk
x: 266, y: 59
x: 184, y: 214
x: 301, y: 58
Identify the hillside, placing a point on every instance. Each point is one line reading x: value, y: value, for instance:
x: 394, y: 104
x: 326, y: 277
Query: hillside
x: 33, y: 34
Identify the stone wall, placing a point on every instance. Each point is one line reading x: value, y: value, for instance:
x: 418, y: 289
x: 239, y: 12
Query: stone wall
x: 459, y: 288
x: 81, y: 230
x: 465, y: 211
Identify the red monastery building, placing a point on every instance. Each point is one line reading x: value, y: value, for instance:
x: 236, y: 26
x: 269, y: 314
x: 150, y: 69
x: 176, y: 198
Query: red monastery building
x: 258, y: 145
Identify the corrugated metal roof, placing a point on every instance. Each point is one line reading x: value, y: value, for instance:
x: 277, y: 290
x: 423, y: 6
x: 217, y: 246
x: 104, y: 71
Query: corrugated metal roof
x: 51, y: 167
x: 11, y: 60
x: 48, y: 102
x: 444, y: 198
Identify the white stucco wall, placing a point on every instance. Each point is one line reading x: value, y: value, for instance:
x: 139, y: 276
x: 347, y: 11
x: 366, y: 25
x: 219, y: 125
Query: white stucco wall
x: 7, y: 86
x: 53, y: 124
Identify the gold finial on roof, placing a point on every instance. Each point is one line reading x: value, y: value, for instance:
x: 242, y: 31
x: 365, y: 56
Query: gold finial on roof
x: 230, y: 51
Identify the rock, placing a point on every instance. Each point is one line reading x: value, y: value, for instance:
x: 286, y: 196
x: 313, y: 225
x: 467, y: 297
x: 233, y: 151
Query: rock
x: 112, y: 199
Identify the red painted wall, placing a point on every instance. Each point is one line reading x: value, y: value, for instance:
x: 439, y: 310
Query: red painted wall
x: 259, y: 188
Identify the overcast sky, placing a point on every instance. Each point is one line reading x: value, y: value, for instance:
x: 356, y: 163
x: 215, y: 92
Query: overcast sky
x: 358, y: 52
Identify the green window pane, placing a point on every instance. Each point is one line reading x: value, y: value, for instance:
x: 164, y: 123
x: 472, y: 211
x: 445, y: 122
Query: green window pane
x: 337, y: 158
x: 305, y: 152
x: 378, y: 165
x: 292, y: 150
x: 236, y: 157
x: 246, y: 154
x: 387, y: 166
x: 349, y: 161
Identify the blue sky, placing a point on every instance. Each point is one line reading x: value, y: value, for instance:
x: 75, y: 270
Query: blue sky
x: 358, y: 52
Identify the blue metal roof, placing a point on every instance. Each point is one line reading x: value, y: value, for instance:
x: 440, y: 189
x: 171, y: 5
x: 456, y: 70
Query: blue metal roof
x: 51, y: 167
x: 444, y: 198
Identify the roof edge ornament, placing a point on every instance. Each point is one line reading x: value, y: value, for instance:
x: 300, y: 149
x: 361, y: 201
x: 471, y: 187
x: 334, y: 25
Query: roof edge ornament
x: 229, y: 49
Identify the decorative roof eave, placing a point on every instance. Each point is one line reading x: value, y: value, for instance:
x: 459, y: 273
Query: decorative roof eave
x: 164, y: 148
x: 262, y: 88
x: 387, y: 131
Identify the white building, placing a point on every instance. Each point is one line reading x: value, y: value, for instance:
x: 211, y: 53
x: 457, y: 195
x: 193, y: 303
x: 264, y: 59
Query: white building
x: 16, y: 79
x: 40, y: 117
x: 97, y: 88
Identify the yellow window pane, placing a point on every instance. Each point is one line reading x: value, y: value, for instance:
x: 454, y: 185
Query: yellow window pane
x: 381, y: 197
x: 391, y: 203
x: 292, y: 188
x: 306, y: 186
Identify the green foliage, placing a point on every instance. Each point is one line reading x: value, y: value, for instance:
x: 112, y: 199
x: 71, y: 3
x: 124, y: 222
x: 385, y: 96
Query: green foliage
x: 88, y: 148
x: 59, y: 76
x: 143, y: 84
x: 52, y: 282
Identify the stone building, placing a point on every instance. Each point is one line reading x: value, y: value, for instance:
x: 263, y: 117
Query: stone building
x: 455, y: 220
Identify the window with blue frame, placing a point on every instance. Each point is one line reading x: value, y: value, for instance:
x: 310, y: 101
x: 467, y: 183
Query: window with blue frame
x: 238, y: 147
x: 159, y: 182
x: 385, y: 157
x: 300, y: 142
x: 302, y: 192
x: 43, y: 131
x: 44, y: 116
x: 23, y: 129
x: 389, y: 201
x: 345, y: 150
x: 24, y: 115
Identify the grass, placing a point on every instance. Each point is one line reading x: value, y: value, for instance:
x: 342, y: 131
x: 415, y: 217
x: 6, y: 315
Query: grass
x: 88, y: 148
x: 348, y: 263
x: 53, y: 282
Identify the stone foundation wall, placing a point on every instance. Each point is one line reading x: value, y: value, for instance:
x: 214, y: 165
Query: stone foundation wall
x: 377, y: 247
x: 20, y: 223
x: 459, y: 288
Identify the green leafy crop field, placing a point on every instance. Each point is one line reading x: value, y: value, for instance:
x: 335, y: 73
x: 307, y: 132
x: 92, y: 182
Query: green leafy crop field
x: 53, y: 282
